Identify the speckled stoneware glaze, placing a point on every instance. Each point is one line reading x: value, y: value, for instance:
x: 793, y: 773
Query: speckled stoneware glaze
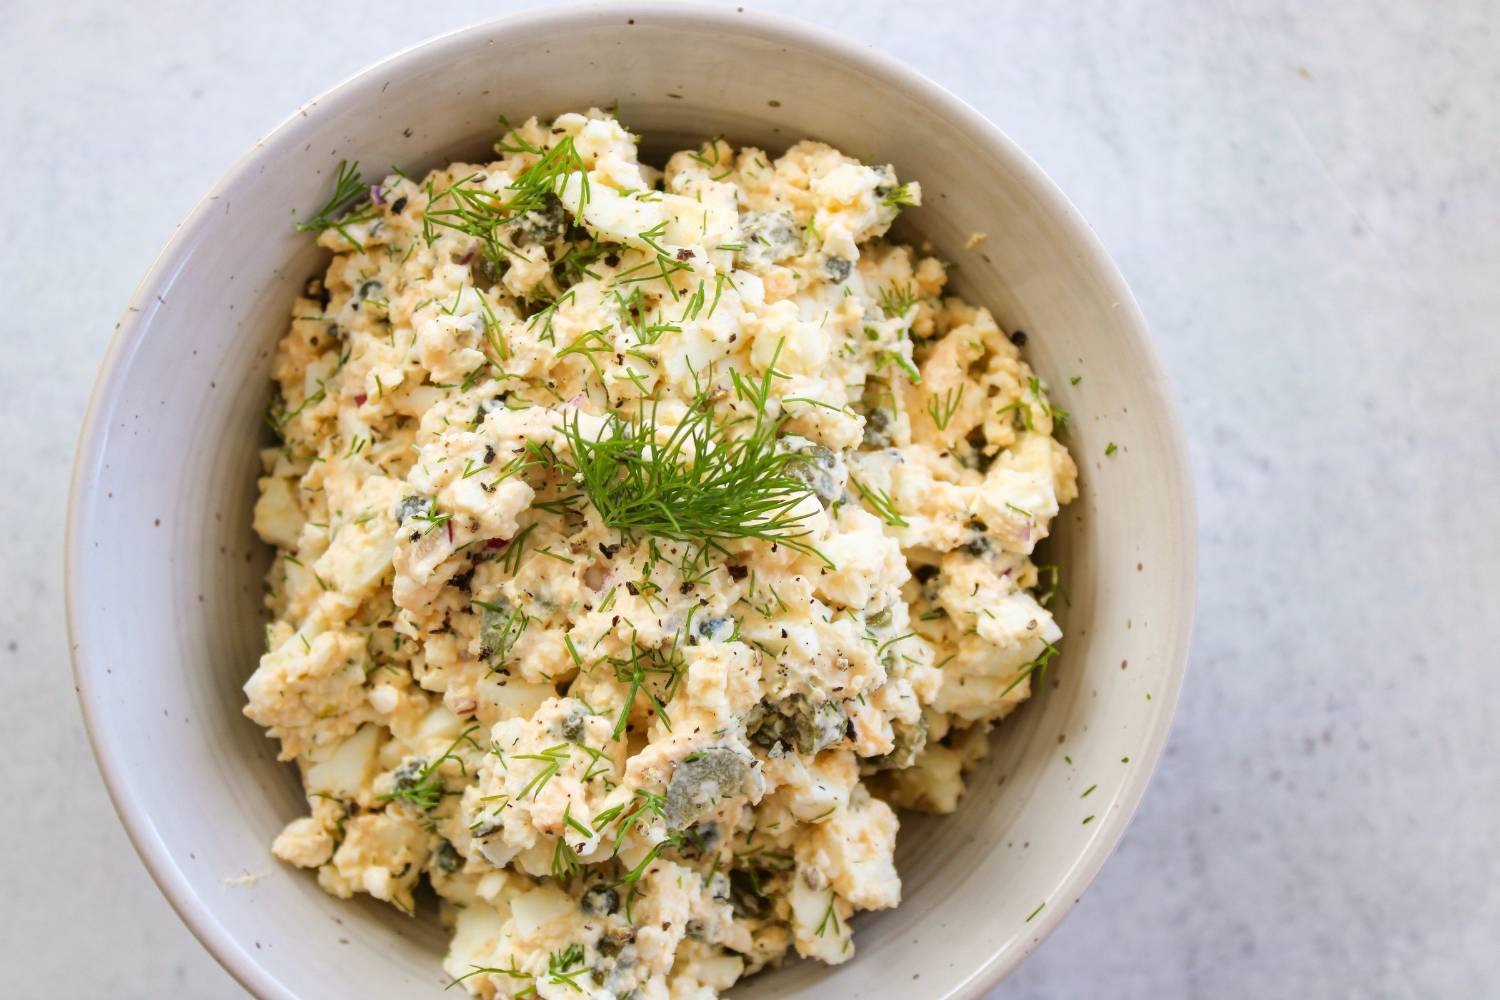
x: 164, y: 572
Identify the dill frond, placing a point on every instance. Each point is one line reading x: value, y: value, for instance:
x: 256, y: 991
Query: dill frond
x: 481, y: 213
x: 706, y: 480
x: 349, y: 192
x: 942, y: 408
x: 880, y: 503
x: 899, y: 197
x: 1037, y: 666
x: 425, y: 789
x: 896, y: 300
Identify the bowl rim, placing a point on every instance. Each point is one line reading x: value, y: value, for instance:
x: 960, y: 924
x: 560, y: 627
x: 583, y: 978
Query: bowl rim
x: 173, y: 882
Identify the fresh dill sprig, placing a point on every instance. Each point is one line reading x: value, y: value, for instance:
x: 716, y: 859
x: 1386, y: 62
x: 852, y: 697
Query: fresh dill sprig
x: 586, y: 346
x: 634, y: 875
x: 942, y: 408
x: 575, y: 264
x: 481, y: 213
x: 880, y: 650
x: 560, y: 969
x: 546, y: 178
x: 279, y: 416
x: 665, y: 264
x: 515, y: 551
x: 565, y: 863
x: 638, y: 667
x: 697, y: 482
x: 425, y: 789
x: 490, y: 970
x: 720, y: 280
x: 1058, y: 414
x: 1037, y: 666
x: 897, y: 300
x: 1054, y: 586
x: 1021, y: 409
x: 880, y: 503
x: 694, y: 305
x: 626, y: 816
x: 569, y: 821
x: 500, y: 628
x: 546, y: 314
x: 560, y: 965
x: 633, y: 315
x: 349, y: 191
x: 519, y: 143
x: 712, y: 157
x: 829, y: 914
x: 497, y: 348
x: 899, y: 197
x: 552, y: 760
x: 899, y: 360
x: 433, y: 519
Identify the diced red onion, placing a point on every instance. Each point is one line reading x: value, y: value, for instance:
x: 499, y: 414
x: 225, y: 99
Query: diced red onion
x: 376, y: 194
x: 359, y: 400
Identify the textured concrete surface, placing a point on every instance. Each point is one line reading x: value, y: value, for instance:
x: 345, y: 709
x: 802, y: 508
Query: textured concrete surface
x: 1304, y: 198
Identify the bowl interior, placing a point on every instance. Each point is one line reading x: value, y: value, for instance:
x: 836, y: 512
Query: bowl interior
x: 165, y: 572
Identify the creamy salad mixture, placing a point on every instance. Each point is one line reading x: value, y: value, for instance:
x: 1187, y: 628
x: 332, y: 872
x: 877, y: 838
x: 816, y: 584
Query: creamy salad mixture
x: 646, y: 539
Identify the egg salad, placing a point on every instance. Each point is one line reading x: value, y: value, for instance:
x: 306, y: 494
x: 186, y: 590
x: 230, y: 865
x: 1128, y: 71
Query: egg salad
x: 646, y: 539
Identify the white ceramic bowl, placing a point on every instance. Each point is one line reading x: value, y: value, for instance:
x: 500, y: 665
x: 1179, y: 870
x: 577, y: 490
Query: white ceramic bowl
x: 164, y: 572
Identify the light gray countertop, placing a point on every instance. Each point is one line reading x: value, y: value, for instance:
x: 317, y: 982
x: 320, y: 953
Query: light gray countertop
x: 1305, y: 199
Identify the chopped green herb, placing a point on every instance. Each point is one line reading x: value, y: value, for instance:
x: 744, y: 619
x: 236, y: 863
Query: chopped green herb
x: 423, y: 786
x: 880, y: 503
x: 337, y: 212
x: 697, y: 482
x: 897, y: 300
x: 476, y: 211
x: 829, y: 915
x: 1037, y: 666
x: 899, y: 197
x: 552, y: 760
x: 941, y: 409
